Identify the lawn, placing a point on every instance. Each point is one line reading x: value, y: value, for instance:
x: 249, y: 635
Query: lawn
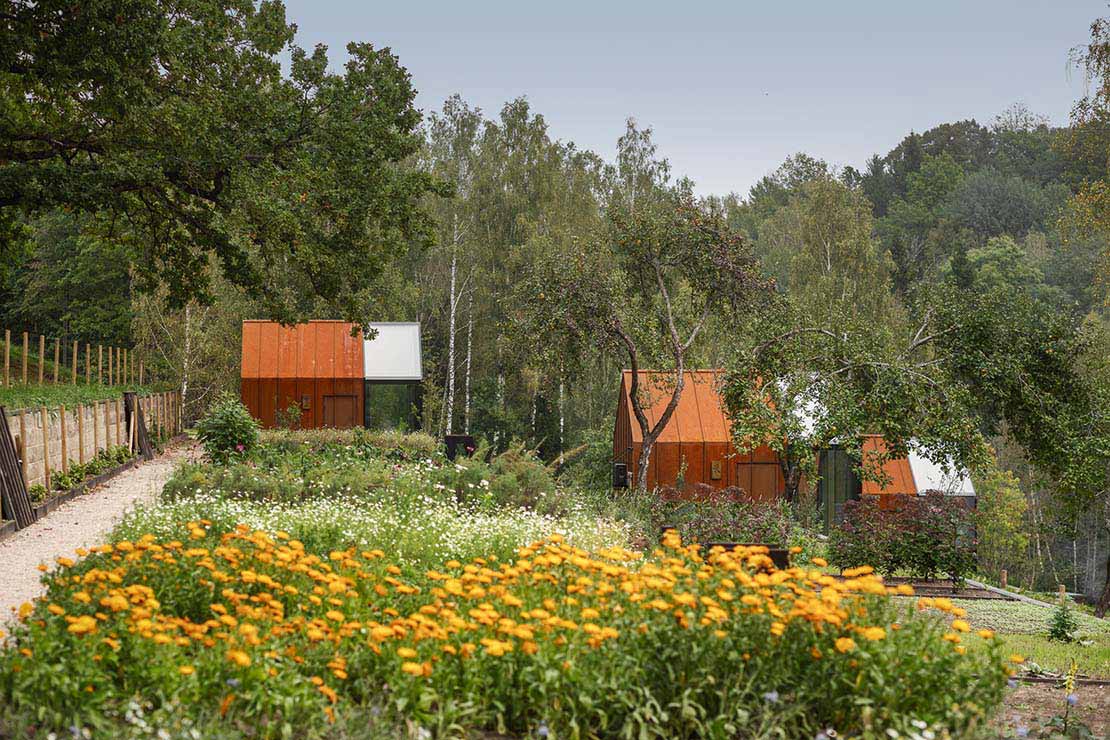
x: 1023, y: 628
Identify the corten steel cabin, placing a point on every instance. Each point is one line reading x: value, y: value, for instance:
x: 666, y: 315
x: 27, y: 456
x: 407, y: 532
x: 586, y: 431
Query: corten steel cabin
x: 697, y: 442
x: 317, y: 366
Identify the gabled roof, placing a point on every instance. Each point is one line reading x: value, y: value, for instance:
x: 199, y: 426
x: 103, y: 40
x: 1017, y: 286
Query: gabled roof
x: 699, y: 416
x: 316, y: 349
x: 394, y: 353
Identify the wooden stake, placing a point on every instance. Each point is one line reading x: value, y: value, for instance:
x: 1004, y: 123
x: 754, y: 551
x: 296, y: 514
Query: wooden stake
x: 57, y: 358
x: 96, y: 428
x: 100, y: 364
x: 80, y: 434
x: 140, y: 372
x: 45, y: 448
x: 26, y: 348
x: 42, y: 357
x: 134, y: 430
x: 119, y: 423
x: 23, y: 443
x: 1063, y: 594
x: 65, y: 445
x: 1002, y: 578
x: 107, y: 424
x: 7, y: 356
x: 73, y: 371
x: 88, y: 364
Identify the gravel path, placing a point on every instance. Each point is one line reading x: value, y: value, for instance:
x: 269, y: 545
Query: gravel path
x: 82, y: 522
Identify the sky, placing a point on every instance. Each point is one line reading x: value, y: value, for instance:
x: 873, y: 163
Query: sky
x: 730, y: 89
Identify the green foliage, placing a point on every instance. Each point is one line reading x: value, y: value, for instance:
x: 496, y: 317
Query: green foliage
x: 291, y: 182
x: 34, y: 397
x: 924, y: 535
x: 102, y: 462
x: 1000, y: 520
x: 1063, y: 625
x: 228, y: 430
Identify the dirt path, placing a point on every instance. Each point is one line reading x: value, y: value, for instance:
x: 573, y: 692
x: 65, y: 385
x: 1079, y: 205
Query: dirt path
x: 81, y: 522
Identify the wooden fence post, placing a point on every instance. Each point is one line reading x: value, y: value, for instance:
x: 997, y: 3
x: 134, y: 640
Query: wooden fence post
x: 1002, y: 578
x: 107, y: 424
x: 73, y: 371
x: 140, y: 372
x: 100, y: 364
x: 1063, y: 593
x: 26, y: 348
x: 57, y: 357
x: 42, y: 357
x: 133, y: 427
x: 88, y: 363
x: 7, y: 357
x: 65, y: 442
x: 81, y: 434
x: 45, y: 448
x: 96, y: 428
x: 119, y: 423
x: 23, y: 443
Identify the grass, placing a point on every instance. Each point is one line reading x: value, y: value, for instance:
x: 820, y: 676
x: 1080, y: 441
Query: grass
x: 1023, y: 628
x: 35, y: 396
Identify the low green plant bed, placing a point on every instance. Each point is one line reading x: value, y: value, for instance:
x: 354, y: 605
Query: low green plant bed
x: 33, y: 397
x: 60, y: 482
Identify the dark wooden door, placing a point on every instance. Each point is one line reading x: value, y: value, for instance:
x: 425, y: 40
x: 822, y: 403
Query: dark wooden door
x: 339, y: 411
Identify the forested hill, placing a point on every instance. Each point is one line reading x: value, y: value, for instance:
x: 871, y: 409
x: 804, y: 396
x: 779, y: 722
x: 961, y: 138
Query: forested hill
x: 983, y: 202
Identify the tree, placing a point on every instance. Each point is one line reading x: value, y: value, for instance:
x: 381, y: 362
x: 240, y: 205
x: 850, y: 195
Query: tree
x: 173, y: 123
x: 643, y: 288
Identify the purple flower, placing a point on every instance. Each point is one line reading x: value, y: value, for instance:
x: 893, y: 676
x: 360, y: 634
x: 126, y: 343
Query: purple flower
x: 1073, y: 699
x: 240, y: 447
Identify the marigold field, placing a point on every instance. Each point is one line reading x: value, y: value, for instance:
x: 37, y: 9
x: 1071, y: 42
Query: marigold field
x: 245, y: 632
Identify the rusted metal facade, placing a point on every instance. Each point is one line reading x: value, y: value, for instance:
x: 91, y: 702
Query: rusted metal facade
x: 697, y: 443
x: 316, y: 366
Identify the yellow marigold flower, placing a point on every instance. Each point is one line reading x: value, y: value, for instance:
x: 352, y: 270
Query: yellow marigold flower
x: 406, y: 652
x: 335, y: 616
x: 961, y: 625
x: 952, y: 637
x: 41, y: 567
x: 239, y: 658
x: 415, y: 669
x: 795, y: 550
x: 82, y: 596
x: 960, y: 649
x: 25, y: 609
x: 340, y: 674
x: 56, y: 610
x: 83, y: 625
x: 873, y: 633
x: 777, y: 628
x: 186, y: 670
x: 1017, y: 658
x: 986, y: 634
x: 845, y: 644
x: 819, y: 562
x: 64, y: 562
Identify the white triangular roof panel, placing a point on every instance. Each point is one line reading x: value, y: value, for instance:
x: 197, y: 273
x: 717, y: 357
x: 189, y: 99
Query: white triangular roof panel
x: 393, y: 353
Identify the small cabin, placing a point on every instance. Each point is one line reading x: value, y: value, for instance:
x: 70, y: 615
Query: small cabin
x: 695, y: 447
x: 324, y: 374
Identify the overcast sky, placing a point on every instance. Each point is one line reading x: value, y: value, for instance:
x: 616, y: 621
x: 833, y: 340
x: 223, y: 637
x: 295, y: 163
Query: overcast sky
x: 730, y: 88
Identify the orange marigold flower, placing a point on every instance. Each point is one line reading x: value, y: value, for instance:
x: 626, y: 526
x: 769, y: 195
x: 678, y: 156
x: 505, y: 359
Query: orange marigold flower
x: 239, y: 658
x: 186, y: 670
x: 415, y: 669
x: 845, y: 644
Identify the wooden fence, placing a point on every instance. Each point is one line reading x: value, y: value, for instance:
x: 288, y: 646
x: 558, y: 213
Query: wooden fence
x: 49, y: 440
x: 106, y: 364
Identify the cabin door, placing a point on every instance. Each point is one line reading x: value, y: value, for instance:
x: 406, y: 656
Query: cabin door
x: 339, y: 411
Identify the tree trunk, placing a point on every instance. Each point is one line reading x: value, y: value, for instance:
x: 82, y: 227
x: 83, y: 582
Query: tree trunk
x: 1103, y: 605
x: 469, y: 348
x: 450, y: 411
x: 643, y: 463
x: 188, y: 353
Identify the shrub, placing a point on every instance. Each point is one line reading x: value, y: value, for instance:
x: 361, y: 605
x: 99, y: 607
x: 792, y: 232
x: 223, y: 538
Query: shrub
x: 559, y: 641
x: 227, y: 430
x: 923, y: 535
x: 1063, y: 625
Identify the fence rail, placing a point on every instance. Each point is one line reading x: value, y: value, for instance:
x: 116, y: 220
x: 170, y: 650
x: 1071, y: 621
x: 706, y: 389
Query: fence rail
x: 106, y: 363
